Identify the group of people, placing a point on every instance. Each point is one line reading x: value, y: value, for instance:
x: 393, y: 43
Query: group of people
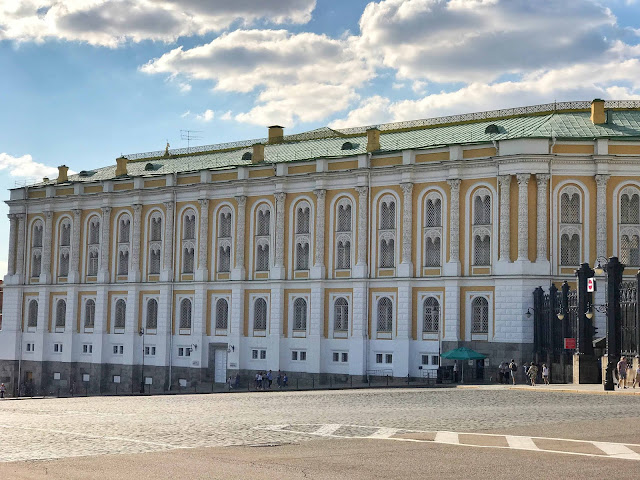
x: 263, y: 380
x: 509, y: 371
x: 625, y: 372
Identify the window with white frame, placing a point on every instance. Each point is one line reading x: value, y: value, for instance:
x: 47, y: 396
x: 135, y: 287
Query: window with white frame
x: 384, y: 358
x: 258, y: 354
x: 299, y: 314
x: 32, y: 319
x: 341, y: 314
x: 87, y: 348
x: 222, y: 314
x: 385, y: 315
x: 150, y: 351
x: 185, y: 314
x: 433, y: 230
x: 124, y: 239
x: 61, y: 314
x: 430, y: 315
x: 64, y: 248
x: 120, y: 314
x: 629, y: 226
x: 303, y: 235
x: 480, y: 315
x: 344, y: 234
x: 570, y: 226
x: 482, y: 227
x: 118, y: 349
x: 57, y: 348
x: 260, y: 314
x: 224, y: 239
x: 152, y: 314
x: 340, y: 357
x: 299, y: 355
x: 93, y: 261
x: 262, y: 237
x: 36, y: 248
x: 155, y: 242
x: 89, y: 314
x: 31, y: 347
x: 387, y: 231
x: 188, y: 241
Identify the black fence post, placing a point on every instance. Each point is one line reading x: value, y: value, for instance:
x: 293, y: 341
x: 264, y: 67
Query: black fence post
x: 614, y: 317
x: 538, y: 293
x: 637, y: 323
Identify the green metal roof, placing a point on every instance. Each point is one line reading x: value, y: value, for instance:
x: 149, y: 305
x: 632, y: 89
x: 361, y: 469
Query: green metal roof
x: 525, y: 122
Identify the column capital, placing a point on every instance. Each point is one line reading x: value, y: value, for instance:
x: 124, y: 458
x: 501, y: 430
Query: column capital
x: 407, y: 187
x: 12, y: 216
x: 542, y: 179
x: 106, y: 210
x: 77, y: 212
x: 504, y: 180
x: 320, y: 192
x: 204, y: 202
x: 168, y: 204
x: 48, y: 214
x: 362, y: 191
x: 523, y: 179
x: 280, y: 196
x: 454, y: 183
x: 241, y: 200
x: 601, y: 180
x: 137, y: 208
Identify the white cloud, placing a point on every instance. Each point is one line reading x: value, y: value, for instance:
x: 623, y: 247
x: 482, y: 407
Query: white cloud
x: 371, y: 111
x: 205, y: 116
x: 480, y: 40
x: 113, y: 22
x: 299, y: 77
x: 24, y: 166
x: 186, y: 114
x: 226, y: 115
x: 184, y: 87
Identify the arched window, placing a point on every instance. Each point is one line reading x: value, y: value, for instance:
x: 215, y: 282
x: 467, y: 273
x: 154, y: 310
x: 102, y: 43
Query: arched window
x: 262, y: 238
x: 432, y: 252
x: 64, y: 249
x: 224, y: 225
x: 61, y: 313
x: 341, y: 314
x: 482, y: 250
x: 570, y: 250
x: 65, y: 233
x: 188, y: 241
x: 155, y: 243
x: 92, y: 268
x: 260, y: 314
x: 479, y: 315
x: 385, y: 315
x: 343, y: 254
x: 123, y: 263
x: 93, y: 246
x: 302, y: 220
x: 36, y: 263
x: 264, y: 222
x: 36, y: 248
x: 387, y: 214
x: 387, y: 253
x: 224, y: 260
x: 224, y: 240
x: 188, y: 260
x: 344, y: 216
x: 154, y: 261
x: 629, y: 253
x: 432, y: 232
x: 32, y: 320
x: 152, y: 314
x: 343, y: 234
x: 303, y: 237
x: 570, y: 206
x: 89, y: 313
x: 434, y: 212
x: 94, y: 231
x: 262, y: 260
x: 121, y: 314
x: 222, y: 314
x: 300, y: 314
x: 189, y: 230
x: 302, y: 256
x: 629, y: 228
x: 570, y: 229
x: 482, y: 208
x: 185, y: 314
x: 64, y: 264
x: 431, y: 315
x: 37, y: 234
x: 124, y: 226
x: 156, y: 228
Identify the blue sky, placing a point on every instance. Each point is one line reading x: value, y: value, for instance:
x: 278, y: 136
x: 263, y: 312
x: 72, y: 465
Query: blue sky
x: 83, y: 81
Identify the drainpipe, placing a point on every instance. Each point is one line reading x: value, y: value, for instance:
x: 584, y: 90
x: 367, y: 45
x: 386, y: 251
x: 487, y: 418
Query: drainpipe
x: 175, y: 178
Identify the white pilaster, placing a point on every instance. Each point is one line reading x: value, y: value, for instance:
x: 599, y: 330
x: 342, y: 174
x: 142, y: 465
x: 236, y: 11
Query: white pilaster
x: 452, y: 267
x: 103, y: 274
x: 134, y: 274
x: 74, y: 271
x: 278, y: 271
x: 601, y: 215
x: 45, y: 275
x: 360, y: 269
x: 318, y: 269
x: 203, y: 238
x: 405, y: 268
x: 542, y: 224
x: 238, y: 273
x: 505, y: 218
x: 13, y: 234
x: 167, y: 263
x: 21, y: 248
x: 523, y: 217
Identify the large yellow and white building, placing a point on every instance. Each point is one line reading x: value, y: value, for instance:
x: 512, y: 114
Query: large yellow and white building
x: 329, y: 252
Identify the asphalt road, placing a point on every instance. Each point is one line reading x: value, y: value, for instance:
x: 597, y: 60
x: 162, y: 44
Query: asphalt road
x: 444, y: 433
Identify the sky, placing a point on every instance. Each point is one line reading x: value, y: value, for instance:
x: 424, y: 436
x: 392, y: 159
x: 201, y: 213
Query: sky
x: 84, y: 81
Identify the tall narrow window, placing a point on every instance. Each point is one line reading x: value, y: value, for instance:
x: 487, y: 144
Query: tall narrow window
x: 189, y: 232
x: 224, y: 240
x: 385, y: 315
x: 629, y: 228
x: 89, y: 313
x: 482, y: 227
x: 431, y: 315
x: 93, y: 246
x: 387, y: 253
x: 260, y: 314
x: 480, y: 315
x: 64, y: 264
x: 432, y: 233
x: 188, y: 241
x: 64, y: 249
x: 121, y: 314
x: 92, y: 268
x: 36, y: 262
x: 343, y: 254
x: 125, y: 225
x: 222, y: 314
x: 387, y: 232
x: 61, y: 313
x: 303, y: 235
x: 32, y: 320
x: 341, y: 314
x: 262, y: 260
x: 123, y: 263
x: 344, y: 217
x: 154, y: 261
x: 185, y: 314
x: 300, y: 314
x: 570, y: 228
x: 154, y: 246
x: 188, y: 260
x: 224, y: 260
x: 387, y: 215
x: 262, y: 238
x: 152, y: 314
x: 94, y: 231
x: 482, y: 250
x: 36, y: 248
x: 344, y: 234
x: 124, y: 238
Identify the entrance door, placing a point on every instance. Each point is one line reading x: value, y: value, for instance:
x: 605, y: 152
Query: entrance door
x: 220, y: 366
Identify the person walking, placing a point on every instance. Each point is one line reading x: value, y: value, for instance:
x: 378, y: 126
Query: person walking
x: 622, y: 373
x: 455, y: 371
x: 513, y: 369
x: 637, y: 377
x: 269, y: 379
x: 279, y: 379
x: 545, y: 373
x: 4, y: 389
x: 285, y: 379
x: 501, y: 373
x: 533, y: 373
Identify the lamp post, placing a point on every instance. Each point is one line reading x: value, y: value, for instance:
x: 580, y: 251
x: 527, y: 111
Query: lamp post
x: 142, y: 389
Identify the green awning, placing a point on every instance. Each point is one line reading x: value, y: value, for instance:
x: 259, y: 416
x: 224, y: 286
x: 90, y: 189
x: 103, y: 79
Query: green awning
x: 463, y: 353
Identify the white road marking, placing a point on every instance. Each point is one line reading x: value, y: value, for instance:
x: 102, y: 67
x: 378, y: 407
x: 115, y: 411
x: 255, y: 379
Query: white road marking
x: 327, y: 430
x: 447, y: 437
x: 384, y: 432
x: 515, y: 442
x: 521, y: 443
x: 617, y: 450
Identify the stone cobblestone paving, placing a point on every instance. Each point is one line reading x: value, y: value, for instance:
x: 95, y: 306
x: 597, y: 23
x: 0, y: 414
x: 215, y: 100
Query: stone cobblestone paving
x: 58, y: 428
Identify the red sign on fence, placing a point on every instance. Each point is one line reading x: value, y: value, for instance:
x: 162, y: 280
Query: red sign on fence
x: 569, y: 343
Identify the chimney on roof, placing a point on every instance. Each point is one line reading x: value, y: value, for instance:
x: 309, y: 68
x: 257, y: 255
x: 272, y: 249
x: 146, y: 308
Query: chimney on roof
x: 62, y: 174
x: 373, y: 139
x: 276, y: 134
x: 258, y: 153
x: 598, y: 115
x: 121, y: 166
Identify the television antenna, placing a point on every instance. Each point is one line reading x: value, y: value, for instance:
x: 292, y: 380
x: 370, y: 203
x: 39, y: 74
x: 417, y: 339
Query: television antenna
x: 189, y: 135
